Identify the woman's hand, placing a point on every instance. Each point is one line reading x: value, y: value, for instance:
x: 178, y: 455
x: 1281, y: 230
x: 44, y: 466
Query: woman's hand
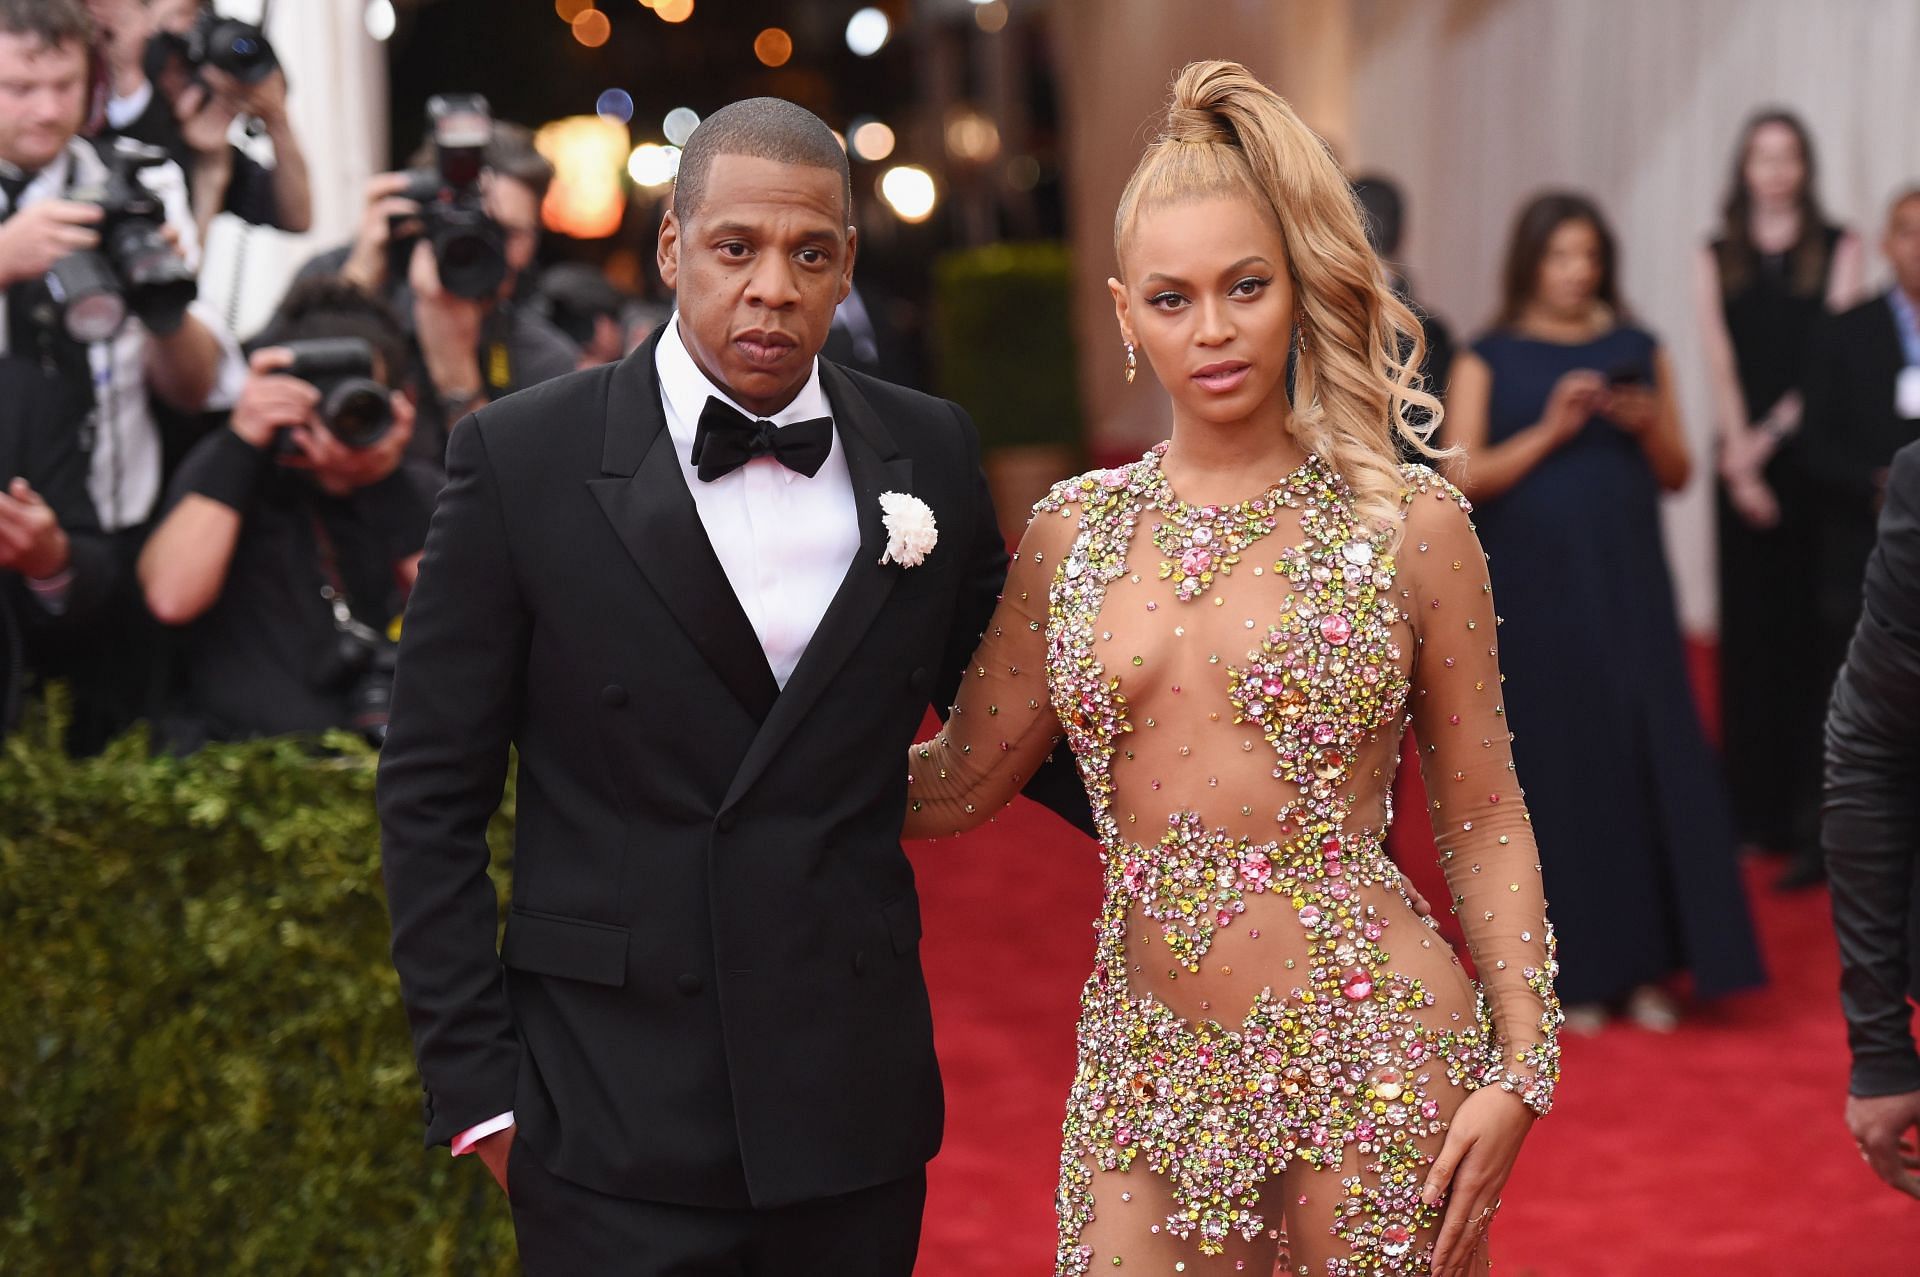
x: 1482, y: 1142
x: 1575, y: 397
x: 1634, y: 409
x: 1743, y: 457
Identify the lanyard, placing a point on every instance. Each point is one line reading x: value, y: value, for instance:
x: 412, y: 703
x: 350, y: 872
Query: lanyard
x: 1906, y: 323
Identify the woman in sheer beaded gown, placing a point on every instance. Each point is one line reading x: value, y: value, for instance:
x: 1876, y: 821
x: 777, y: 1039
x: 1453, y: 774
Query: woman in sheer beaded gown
x: 1232, y: 633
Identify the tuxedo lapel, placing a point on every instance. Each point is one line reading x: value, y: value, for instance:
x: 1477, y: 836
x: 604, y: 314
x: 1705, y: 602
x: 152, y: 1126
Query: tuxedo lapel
x: 876, y: 466
x: 644, y: 496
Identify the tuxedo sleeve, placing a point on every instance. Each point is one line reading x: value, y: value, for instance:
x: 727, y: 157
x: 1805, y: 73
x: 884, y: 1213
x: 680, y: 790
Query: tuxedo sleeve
x: 1055, y: 784
x: 457, y: 694
x: 1871, y: 830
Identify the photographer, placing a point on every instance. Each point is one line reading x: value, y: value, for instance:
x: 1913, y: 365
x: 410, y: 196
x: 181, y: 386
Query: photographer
x: 472, y: 343
x: 55, y: 568
x: 168, y: 88
x: 121, y: 229
x: 290, y: 539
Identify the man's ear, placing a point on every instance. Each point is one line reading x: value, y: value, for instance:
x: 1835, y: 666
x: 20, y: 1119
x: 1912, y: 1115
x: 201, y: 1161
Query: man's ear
x: 667, y: 251
x: 846, y: 275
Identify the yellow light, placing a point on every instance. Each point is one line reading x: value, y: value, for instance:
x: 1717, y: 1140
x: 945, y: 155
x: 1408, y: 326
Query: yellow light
x: 571, y: 9
x: 972, y: 136
x: 586, y: 199
x: 908, y: 190
x: 773, y: 47
x: 673, y: 10
x: 591, y: 28
x: 991, y: 17
x: 652, y: 164
x: 873, y: 141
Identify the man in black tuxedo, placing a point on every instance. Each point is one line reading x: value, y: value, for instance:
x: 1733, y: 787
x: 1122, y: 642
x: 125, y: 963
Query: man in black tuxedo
x: 1862, y: 397
x: 704, y: 1045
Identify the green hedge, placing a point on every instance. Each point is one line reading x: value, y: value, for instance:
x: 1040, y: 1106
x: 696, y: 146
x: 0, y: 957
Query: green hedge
x: 1004, y: 339
x: 204, y: 1065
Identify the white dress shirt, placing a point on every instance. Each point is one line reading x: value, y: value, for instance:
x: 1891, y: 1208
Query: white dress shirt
x: 784, y: 540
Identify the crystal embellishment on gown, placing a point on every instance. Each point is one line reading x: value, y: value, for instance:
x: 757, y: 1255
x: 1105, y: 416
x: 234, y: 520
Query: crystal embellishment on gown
x: 1235, y: 708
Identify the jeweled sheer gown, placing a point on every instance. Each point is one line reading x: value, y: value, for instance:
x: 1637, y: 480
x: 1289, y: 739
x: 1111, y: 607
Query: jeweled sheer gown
x: 1271, y: 1036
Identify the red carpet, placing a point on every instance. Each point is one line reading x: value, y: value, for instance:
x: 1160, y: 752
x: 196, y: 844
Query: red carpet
x: 1716, y: 1152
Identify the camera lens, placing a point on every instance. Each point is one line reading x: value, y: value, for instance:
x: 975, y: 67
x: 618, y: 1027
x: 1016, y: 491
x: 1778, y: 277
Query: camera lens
x: 358, y: 412
x: 471, y: 254
x: 85, y: 288
x: 160, y: 286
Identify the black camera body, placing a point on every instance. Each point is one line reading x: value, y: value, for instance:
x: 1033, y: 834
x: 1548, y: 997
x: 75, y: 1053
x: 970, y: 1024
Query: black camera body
x: 357, y: 409
x: 135, y: 270
x: 469, y: 247
x: 360, y: 663
x: 238, y: 48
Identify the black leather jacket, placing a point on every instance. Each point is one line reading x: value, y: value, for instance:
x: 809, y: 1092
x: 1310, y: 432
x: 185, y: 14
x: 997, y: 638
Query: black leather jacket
x: 1871, y: 826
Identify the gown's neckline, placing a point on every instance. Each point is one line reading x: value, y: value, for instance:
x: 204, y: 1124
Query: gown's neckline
x: 1156, y: 489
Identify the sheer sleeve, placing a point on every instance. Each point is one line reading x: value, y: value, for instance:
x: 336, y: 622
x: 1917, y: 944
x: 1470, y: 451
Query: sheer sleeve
x: 1480, y: 820
x: 1003, y: 725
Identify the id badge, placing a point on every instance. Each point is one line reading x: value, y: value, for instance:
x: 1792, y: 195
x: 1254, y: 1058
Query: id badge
x: 1906, y: 393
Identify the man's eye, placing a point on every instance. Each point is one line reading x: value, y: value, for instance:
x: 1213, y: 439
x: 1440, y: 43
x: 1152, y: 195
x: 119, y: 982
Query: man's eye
x: 812, y: 256
x: 733, y: 249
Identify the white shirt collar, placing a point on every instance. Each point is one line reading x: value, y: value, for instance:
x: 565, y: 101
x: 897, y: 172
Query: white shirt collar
x: 687, y: 389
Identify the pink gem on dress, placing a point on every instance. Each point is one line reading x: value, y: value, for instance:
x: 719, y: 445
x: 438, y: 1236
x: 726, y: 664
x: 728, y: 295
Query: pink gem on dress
x: 1395, y: 1240
x: 1335, y: 628
x: 1196, y: 561
x: 1357, y: 983
x: 1309, y: 915
x: 1113, y: 479
x: 1324, y: 733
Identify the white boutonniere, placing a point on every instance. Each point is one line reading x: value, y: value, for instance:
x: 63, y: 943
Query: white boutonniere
x: 911, y: 531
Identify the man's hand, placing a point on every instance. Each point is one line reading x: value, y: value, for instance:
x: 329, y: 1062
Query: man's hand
x: 448, y: 327
x: 271, y: 401
x: 32, y: 542
x: 366, y: 263
x: 494, y: 1150
x: 33, y: 239
x: 1887, y: 1130
x: 206, y: 119
x: 265, y: 101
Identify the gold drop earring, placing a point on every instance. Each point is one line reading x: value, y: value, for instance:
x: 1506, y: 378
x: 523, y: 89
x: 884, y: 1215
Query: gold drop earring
x: 1133, y: 364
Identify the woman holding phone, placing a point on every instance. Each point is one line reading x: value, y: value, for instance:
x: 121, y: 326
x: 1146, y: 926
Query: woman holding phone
x: 1566, y: 417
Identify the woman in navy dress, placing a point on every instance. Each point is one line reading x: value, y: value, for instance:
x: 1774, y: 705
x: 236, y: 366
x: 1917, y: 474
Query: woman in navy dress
x: 1566, y: 417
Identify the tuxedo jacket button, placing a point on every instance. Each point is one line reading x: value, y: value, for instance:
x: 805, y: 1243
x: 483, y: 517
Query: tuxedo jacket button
x: 689, y: 985
x: 613, y: 696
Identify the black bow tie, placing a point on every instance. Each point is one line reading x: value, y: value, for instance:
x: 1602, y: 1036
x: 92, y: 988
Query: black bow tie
x: 727, y: 439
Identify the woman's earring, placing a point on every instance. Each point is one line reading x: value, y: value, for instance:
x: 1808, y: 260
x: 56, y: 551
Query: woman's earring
x: 1133, y: 364
x: 1300, y: 334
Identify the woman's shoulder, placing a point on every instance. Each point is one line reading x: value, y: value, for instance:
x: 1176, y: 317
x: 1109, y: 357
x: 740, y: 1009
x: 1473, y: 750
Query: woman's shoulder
x: 1095, y: 489
x: 1421, y: 480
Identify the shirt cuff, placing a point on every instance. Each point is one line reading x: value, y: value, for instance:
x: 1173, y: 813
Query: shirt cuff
x: 463, y: 1142
x: 124, y: 111
x: 51, y: 592
x: 1884, y: 1073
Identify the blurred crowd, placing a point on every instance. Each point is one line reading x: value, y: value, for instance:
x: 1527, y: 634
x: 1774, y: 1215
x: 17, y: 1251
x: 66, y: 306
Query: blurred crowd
x: 215, y: 533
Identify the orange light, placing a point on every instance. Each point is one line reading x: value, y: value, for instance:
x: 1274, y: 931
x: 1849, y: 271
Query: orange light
x: 591, y: 28
x: 773, y: 47
x: 586, y: 199
x: 673, y: 10
x: 991, y: 17
x: 571, y: 9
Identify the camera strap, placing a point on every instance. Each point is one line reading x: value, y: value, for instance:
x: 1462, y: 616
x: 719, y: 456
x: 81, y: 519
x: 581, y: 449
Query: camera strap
x: 333, y: 588
x: 498, y: 365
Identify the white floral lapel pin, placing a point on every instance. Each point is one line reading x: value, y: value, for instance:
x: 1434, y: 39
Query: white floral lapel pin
x: 911, y: 532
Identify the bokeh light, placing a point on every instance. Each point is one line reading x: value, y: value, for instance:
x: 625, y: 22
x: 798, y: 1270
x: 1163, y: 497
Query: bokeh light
x: 615, y: 104
x: 872, y: 141
x: 1023, y: 172
x: 773, y: 47
x: 652, y: 164
x: 673, y: 10
x: 680, y: 124
x: 591, y: 28
x: 973, y: 137
x: 991, y: 17
x: 585, y: 199
x: 908, y: 190
x: 868, y: 32
x: 571, y: 9
x: 381, y: 19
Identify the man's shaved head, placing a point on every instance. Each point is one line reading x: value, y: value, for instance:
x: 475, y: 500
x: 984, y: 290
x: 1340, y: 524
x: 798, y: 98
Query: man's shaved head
x: 764, y: 128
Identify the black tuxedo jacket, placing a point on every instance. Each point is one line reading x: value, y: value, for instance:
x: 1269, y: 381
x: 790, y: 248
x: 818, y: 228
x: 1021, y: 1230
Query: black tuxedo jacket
x: 709, y: 991
x: 1849, y: 434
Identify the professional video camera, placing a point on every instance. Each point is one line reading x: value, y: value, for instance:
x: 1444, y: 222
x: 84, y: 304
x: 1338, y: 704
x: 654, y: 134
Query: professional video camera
x: 468, y: 245
x: 226, y: 44
x: 357, y: 410
x: 135, y: 269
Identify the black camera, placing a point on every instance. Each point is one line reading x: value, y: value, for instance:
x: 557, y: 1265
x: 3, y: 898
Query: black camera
x: 359, y: 662
x: 134, y: 270
x: 226, y: 44
x: 468, y: 246
x: 357, y: 409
